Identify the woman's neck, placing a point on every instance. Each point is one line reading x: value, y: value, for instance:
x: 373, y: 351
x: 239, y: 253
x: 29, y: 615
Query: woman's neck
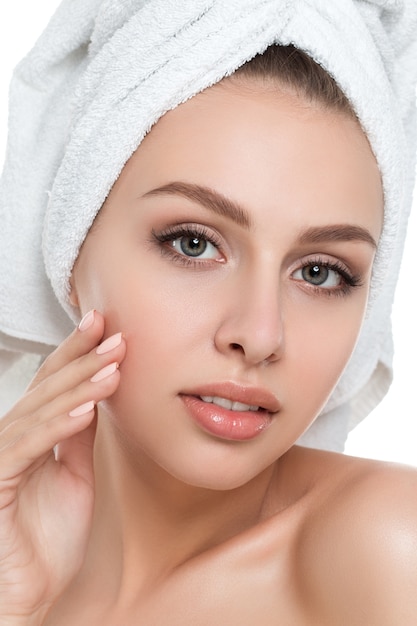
x: 147, y: 523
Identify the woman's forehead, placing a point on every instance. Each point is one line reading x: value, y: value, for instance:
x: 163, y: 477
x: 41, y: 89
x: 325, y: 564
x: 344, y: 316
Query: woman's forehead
x: 260, y: 147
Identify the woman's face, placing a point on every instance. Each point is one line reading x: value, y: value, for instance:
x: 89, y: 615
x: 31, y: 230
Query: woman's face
x: 235, y: 253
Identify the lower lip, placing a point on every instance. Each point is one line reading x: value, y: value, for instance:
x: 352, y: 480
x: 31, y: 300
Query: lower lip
x: 226, y: 424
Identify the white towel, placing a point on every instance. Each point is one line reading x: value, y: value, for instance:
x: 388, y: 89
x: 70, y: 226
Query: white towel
x: 103, y: 73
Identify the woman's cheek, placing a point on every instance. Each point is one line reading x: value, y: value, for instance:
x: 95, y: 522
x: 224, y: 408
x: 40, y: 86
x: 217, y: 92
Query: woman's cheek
x: 320, y: 346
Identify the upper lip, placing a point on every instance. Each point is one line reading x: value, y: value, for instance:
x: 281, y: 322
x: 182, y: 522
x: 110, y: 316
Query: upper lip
x: 236, y: 392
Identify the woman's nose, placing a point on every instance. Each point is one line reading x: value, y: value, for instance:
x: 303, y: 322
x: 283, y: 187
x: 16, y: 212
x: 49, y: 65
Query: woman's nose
x: 252, y: 323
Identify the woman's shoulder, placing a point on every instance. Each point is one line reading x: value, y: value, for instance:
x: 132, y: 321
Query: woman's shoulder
x: 357, y: 544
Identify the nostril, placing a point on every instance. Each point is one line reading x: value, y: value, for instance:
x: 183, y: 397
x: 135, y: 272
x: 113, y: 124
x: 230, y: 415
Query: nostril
x: 236, y: 346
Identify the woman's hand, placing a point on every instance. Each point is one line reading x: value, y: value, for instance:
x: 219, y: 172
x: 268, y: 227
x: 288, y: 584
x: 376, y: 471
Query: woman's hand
x: 46, y: 497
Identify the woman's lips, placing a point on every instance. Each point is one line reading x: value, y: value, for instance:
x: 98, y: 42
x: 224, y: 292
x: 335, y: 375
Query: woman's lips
x: 228, y: 410
x: 226, y: 423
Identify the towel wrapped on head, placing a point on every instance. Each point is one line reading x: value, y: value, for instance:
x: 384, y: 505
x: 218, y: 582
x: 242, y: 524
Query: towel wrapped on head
x: 104, y: 71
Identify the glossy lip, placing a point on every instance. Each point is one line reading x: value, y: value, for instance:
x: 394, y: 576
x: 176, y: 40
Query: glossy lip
x: 225, y: 423
x: 253, y: 396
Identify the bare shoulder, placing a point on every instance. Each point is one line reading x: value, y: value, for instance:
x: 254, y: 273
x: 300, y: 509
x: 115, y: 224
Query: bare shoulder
x: 358, y: 543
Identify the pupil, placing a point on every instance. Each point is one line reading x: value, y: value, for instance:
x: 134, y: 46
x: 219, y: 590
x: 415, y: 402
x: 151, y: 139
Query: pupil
x: 315, y: 274
x: 193, y: 246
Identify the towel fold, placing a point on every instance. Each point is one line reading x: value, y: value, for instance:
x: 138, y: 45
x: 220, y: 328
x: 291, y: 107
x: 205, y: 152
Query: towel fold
x: 105, y: 71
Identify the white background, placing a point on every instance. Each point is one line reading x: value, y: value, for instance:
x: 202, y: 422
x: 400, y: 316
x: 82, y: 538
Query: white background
x: 390, y: 432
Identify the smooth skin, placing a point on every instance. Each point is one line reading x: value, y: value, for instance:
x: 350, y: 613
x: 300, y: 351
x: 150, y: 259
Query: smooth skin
x: 170, y: 524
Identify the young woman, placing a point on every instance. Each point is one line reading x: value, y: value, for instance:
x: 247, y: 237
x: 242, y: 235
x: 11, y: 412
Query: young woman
x: 149, y: 473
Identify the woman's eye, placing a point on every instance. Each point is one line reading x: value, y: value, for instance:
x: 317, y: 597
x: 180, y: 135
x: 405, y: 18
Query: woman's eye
x: 319, y: 275
x: 187, y: 243
x: 195, y: 247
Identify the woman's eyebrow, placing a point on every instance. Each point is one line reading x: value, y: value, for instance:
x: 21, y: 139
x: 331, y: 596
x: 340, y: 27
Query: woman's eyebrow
x: 220, y: 204
x: 337, y: 232
x: 210, y: 199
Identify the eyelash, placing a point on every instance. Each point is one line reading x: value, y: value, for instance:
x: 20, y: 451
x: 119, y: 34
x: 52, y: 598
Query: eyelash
x: 349, y: 281
x: 172, y: 233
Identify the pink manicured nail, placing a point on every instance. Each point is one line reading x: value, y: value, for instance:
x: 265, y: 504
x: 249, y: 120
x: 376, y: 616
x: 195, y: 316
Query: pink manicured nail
x: 83, y: 409
x: 103, y: 373
x: 87, y: 320
x: 109, y: 344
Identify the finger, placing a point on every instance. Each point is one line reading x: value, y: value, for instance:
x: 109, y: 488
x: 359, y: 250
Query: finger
x: 87, y: 335
x: 76, y: 453
x: 69, y: 378
x: 34, y: 447
x: 89, y: 379
x: 25, y: 441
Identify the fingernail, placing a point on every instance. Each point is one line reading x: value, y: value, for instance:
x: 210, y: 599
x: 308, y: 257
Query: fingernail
x: 87, y: 320
x: 83, y: 409
x: 109, y: 344
x: 103, y: 373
